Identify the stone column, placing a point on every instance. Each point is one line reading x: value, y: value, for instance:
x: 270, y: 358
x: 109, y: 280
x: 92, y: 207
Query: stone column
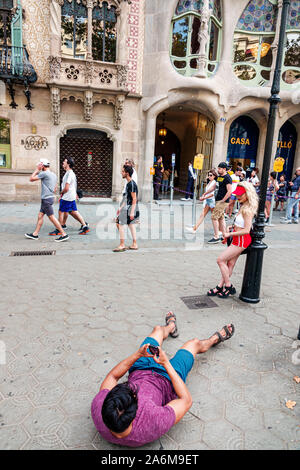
x: 89, y: 6
x: 147, y: 163
x: 203, y: 39
x: 55, y: 27
x: 122, y: 33
x: 219, y: 143
x: 274, y: 46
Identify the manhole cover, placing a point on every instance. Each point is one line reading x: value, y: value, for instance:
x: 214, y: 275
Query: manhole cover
x: 198, y: 302
x: 33, y: 253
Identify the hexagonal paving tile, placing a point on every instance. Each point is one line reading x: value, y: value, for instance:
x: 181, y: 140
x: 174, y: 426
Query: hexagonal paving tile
x: 44, y: 421
x: 77, y: 431
x: 46, y: 394
x: 221, y: 435
x: 12, y: 437
x: 13, y: 411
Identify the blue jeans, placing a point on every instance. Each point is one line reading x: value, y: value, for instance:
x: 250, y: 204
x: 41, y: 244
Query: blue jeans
x: 165, y: 185
x: 292, y: 203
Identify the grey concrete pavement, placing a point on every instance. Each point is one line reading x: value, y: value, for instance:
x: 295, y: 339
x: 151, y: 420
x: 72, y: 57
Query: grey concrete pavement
x: 67, y: 320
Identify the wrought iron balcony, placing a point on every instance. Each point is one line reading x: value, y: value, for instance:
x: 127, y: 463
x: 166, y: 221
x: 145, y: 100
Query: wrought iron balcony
x: 15, y: 68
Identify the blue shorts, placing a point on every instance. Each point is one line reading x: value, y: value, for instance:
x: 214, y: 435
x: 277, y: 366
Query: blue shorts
x: 210, y: 202
x: 67, y: 206
x: 233, y: 197
x: 182, y: 362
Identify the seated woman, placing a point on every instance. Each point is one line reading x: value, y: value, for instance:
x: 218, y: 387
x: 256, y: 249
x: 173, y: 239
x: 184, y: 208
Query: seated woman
x: 241, y: 238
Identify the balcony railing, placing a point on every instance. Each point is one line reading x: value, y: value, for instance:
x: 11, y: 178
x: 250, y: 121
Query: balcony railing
x: 15, y: 66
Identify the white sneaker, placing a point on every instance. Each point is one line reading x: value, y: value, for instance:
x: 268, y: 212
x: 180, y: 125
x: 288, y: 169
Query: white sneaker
x: 183, y: 199
x: 190, y: 229
x: 285, y: 221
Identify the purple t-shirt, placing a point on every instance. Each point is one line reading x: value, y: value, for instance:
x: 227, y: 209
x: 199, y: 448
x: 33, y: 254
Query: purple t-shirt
x: 153, y: 417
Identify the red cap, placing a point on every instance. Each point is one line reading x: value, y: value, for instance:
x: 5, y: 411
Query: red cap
x: 240, y: 190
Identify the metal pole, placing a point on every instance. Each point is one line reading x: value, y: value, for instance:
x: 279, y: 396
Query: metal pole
x: 194, y: 200
x: 272, y: 206
x: 172, y: 190
x: 254, y: 262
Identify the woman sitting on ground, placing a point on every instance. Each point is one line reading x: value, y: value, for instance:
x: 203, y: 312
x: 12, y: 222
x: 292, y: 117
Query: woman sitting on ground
x: 241, y: 238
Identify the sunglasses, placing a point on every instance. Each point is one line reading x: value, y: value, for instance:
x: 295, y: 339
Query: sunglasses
x: 210, y: 174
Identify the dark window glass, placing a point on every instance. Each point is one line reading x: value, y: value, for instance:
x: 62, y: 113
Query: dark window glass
x: 193, y: 64
x: 213, y: 42
x: 195, y: 44
x: 266, y: 56
x: 292, y: 54
x: 4, y: 132
x: 179, y: 64
x: 74, y: 29
x: 104, y: 33
x: 180, y: 34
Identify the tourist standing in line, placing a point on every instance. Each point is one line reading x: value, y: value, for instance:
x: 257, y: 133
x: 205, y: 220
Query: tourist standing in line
x: 189, y: 192
x: 271, y: 189
x: 222, y: 199
x: 293, y: 200
x: 235, y: 180
x: 281, y: 193
x: 157, y: 178
x: 49, y: 184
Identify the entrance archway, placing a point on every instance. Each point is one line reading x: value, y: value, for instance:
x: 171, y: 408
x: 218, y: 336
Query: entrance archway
x: 92, y: 152
x: 243, y: 142
x: 286, y: 147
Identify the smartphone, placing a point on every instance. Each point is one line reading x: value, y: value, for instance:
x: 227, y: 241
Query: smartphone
x: 154, y: 350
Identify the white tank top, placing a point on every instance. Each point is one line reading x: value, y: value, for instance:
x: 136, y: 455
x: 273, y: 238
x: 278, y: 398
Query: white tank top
x: 239, y: 221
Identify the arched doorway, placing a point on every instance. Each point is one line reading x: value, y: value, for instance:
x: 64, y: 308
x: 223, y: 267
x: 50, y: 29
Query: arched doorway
x: 93, y: 154
x: 286, y: 147
x: 243, y: 142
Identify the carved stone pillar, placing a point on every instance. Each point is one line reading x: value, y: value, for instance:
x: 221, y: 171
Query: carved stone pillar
x: 55, y: 105
x: 122, y: 29
x: 89, y: 6
x: 55, y: 26
x: 119, y: 107
x: 274, y: 46
x: 88, y: 105
x: 203, y: 39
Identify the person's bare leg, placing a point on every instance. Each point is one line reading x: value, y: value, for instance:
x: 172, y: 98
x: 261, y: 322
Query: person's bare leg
x: 56, y: 224
x: 232, y: 252
x: 77, y: 216
x: 132, y: 229
x: 202, y: 217
x: 160, y: 333
x: 198, y: 346
x: 61, y: 216
x: 65, y: 218
x: 222, y: 225
x: 122, y: 236
x: 216, y: 228
x: 39, y: 223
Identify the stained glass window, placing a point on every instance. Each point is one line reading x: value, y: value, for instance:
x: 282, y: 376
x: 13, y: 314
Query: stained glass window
x: 258, y: 16
x: 294, y: 15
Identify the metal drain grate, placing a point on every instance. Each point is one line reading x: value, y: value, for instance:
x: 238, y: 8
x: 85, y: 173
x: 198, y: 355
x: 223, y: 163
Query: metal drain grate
x: 198, y: 302
x: 33, y: 253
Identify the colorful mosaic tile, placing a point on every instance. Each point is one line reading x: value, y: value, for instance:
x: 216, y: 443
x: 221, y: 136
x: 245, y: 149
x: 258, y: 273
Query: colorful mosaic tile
x: 259, y: 16
x: 294, y: 16
x: 185, y: 6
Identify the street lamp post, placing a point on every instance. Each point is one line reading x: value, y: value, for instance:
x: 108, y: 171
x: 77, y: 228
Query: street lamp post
x: 253, y: 268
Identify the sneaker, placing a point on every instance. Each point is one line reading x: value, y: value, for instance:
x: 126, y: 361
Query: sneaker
x: 86, y: 225
x: 54, y: 233
x: 184, y: 199
x: 286, y: 221
x: 283, y: 218
x: 190, y: 229
x: 64, y: 227
x: 31, y: 236
x: 85, y: 230
x: 295, y: 222
x: 214, y: 240
x: 62, y: 238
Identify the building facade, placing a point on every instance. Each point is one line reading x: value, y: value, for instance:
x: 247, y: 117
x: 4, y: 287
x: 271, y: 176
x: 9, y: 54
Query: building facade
x: 120, y: 79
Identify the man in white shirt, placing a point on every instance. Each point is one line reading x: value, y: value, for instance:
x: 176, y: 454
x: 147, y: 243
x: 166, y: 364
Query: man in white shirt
x: 67, y: 202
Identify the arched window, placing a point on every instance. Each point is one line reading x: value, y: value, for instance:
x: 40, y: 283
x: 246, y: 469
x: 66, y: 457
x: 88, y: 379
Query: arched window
x: 253, y: 37
x: 196, y: 37
x: 75, y: 30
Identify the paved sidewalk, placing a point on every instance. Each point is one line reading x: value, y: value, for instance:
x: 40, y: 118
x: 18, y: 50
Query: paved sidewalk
x: 67, y: 320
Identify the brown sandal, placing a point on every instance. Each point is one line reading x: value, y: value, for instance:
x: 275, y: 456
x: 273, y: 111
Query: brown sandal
x: 171, y: 317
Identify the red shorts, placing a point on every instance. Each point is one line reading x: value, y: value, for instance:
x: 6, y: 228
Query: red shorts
x: 242, y: 241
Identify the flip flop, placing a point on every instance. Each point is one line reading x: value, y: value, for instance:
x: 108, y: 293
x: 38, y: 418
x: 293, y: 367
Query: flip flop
x: 130, y: 248
x: 119, y: 250
x: 229, y: 334
x: 171, y: 317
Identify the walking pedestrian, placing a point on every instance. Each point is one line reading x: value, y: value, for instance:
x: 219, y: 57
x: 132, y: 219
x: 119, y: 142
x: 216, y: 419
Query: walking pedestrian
x: 271, y: 189
x: 189, y: 192
x: 48, y: 188
x: 208, y: 198
x: 292, y: 208
x: 253, y: 178
x: 241, y: 238
x: 67, y: 202
x: 235, y: 180
x: 130, y: 162
x: 281, y: 193
x: 222, y: 199
x: 128, y: 213
x: 157, y: 178
x: 155, y: 397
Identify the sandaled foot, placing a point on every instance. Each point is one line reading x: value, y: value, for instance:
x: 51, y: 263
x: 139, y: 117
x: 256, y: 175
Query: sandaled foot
x: 226, y: 292
x: 224, y: 334
x: 213, y: 292
x: 171, y: 318
x: 120, y: 249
